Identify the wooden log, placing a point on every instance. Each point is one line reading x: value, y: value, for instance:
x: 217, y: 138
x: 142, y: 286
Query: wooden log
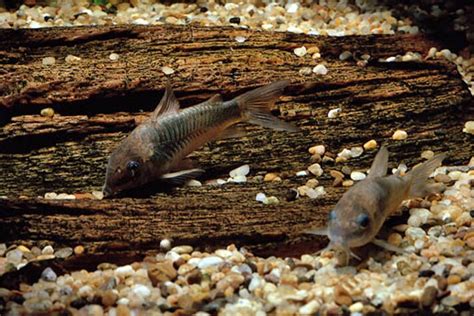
x: 99, y: 101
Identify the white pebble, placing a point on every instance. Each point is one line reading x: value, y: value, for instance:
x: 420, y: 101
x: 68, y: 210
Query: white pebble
x: 48, y: 61
x: 345, y: 153
x: 303, y: 173
x: 356, y: 307
x: 173, y: 256
x: 316, y: 169
x: 316, y: 192
x: 85, y: 290
x: 240, y: 39
x: 165, y: 244
x: 240, y: 171
x: 123, y: 301
x: 357, y: 175
x: 292, y: 7
x: 469, y: 127
x: 124, y: 271
x: 140, y: 21
x: 300, y: 51
x: 99, y: 195
x: 345, y: 55
x: 193, y: 183
x: 238, y: 179
x: 334, y: 113
x: 399, y: 135
x: 167, y: 70
x: 114, y: 57
x: 209, y: 262
x: 309, y: 308
x: 320, y: 69
x: 356, y: 151
x: 48, y: 250
x: 391, y: 59
x: 141, y: 290
x: 50, y: 195
x: 431, y: 53
x: 49, y: 275
x: 260, y: 197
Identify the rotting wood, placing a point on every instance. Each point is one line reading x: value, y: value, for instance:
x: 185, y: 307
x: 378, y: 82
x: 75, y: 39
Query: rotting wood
x: 99, y: 101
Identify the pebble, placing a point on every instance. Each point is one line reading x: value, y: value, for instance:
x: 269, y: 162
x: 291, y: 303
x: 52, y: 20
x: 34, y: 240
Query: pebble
x: 318, y: 149
x: 114, y: 57
x: 400, y: 135
x: 271, y: 200
x: 47, y: 112
x: 271, y: 177
x: 316, y: 192
x: 316, y: 169
x: 356, y: 307
x: 347, y: 183
x: 70, y: 59
x: 429, y: 296
x: 167, y: 70
x: 320, y: 69
x: 165, y: 244
x: 427, y: 154
x: 99, y: 195
x: 300, y: 51
x: 240, y: 171
x: 260, y: 197
x: 357, y: 175
x: 48, y: 275
x: 305, y: 71
x: 48, y: 250
x: 209, y: 262
x: 48, y: 61
x: 240, y: 39
x: 63, y: 253
x: 345, y: 55
x: 309, y: 308
x: 193, y: 183
x: 79, y: 250
x: 370, y: 145
x: 182, y: 249
x: 334, y: 113
x: 302, y: 173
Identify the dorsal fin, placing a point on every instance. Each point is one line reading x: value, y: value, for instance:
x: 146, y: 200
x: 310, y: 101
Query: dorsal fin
x: 216, y: 98
x: 168, y: 104
x: 380, y: 164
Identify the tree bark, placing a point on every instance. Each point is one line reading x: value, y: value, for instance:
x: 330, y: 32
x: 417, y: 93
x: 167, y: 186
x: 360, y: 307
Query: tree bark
x: 98, y: 101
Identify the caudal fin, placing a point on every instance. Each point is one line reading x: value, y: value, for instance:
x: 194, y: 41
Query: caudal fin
x: 256, y: 104
x: 419, y: 175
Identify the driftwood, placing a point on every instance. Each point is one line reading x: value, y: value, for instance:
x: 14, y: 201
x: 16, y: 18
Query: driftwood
x: 98, y: 101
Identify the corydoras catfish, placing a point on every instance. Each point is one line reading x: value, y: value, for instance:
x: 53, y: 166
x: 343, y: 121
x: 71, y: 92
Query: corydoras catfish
x: 157, y: 148
x: 359, y: 214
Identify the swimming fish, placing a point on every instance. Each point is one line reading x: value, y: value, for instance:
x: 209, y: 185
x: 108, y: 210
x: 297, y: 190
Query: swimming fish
x: 359, y: 214
x: 157, y: 148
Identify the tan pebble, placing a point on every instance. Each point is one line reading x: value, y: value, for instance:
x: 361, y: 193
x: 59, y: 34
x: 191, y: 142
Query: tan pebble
x: 470, y: 242
x: 356, y: 307
x: 48, y: 61
x: 399, y: 135
x: 123, y: 310
x: 161, y: 272
x: 341, y: 296
x: 371, y: 144
x: 429, y: 253
x: 471, y: 162
x: 109, y: 298
x: 312, y: 183
x: 83, y: 196
x: 337, y: 182
x: 99, y: 195
x: 318, y: 149
x: 316, y: 169
x: 45, y: 257
x: 316, y: 158
x: 395, y: 239
x: 270, y: 177
x: 312, y: 50
x: 401, y: 228
x: 114, y: 56
x: 72, y: 59
x: 78, y: 250
x: 47, y: 112
x: 167, y: 70
x: 341, y: 159
x: 347, y: 183
x: 427, y: 154
x: 454, y: 279
x: 336, y: 174
x: 444, y: 178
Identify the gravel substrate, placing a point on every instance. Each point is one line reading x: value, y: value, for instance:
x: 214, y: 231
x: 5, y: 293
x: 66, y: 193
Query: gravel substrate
x: 436, y: 274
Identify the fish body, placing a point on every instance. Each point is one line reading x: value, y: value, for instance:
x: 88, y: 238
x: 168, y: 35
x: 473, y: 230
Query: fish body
x: 360, y: 213
x: 157, y: 148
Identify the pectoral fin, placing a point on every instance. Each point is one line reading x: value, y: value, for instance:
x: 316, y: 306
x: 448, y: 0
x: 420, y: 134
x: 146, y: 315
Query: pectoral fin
x: 387, y: 246
x: 181, y: 177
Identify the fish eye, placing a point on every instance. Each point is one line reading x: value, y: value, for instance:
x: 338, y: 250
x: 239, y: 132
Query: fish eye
x: 332, y: 216
x: 363, y: 220
x: 133, y: 165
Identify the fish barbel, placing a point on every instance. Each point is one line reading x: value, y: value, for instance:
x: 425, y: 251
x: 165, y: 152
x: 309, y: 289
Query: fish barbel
x: 157, y: 148
x: 360, y: 213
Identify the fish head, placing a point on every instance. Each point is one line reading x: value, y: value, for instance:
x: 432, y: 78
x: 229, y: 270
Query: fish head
x: 351, y: 223
x: 129, y: 166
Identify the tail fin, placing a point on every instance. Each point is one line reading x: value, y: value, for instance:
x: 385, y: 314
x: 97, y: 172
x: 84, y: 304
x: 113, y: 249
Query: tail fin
x: 420, y: 174
x: 255, y: 106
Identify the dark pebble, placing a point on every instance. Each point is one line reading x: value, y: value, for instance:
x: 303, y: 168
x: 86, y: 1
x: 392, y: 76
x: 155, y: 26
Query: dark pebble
x: 471, y: 212
x: 194, y: 277
x: 426, y: 273
x: 235, y: 20
x: 291, y: 195
x: 17, y: 298
x: 215, y: 305
x: 203, y: 9
x: 78, y: 303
